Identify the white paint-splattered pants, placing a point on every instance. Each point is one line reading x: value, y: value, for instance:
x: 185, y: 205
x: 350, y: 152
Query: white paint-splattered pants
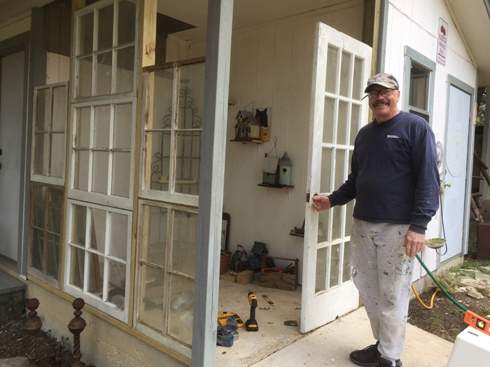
x: 382, y: 273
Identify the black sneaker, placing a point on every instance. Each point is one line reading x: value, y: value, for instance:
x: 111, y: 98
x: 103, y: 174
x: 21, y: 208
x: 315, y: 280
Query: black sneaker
x: 368, y: 357
x: 382, y: 362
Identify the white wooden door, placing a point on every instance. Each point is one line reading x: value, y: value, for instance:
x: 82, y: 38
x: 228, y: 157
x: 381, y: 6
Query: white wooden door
x: 458, y: 131
x: 341, y: 68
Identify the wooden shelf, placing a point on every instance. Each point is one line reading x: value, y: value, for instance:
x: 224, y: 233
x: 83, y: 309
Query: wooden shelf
x: 247, y: 141
x: 276, y: 186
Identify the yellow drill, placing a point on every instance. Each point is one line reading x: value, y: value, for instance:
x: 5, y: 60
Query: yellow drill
x: 251, y: 324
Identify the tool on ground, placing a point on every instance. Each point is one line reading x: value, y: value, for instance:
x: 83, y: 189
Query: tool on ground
x: 224, y: 315
x: 251, y: 324
x: 227, y: 332
x: 267, y: 299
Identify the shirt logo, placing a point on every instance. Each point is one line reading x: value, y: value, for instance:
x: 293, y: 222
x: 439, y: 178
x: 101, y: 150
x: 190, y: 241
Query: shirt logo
x: 392, y: 137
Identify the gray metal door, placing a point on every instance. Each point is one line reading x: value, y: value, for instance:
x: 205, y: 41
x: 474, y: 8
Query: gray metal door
x: 11, y: 123
x: 457, y: 137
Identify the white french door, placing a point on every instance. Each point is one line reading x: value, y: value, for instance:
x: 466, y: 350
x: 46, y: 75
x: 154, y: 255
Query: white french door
x: 341, y: 67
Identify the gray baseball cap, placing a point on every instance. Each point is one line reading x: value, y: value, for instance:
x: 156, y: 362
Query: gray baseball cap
x: 382, y: 79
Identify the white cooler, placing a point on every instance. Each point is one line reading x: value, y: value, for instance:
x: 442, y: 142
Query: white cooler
x: 471, y: 349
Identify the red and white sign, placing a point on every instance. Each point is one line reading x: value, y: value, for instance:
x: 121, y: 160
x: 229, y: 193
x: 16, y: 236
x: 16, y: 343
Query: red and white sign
x: 442, y: 42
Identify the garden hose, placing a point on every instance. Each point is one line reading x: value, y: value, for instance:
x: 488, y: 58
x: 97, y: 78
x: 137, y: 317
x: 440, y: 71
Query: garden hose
x: 421, y: 301
x: 441, y: 287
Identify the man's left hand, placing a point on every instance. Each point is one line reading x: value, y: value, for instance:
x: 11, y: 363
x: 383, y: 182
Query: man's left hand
x: 414, y: 243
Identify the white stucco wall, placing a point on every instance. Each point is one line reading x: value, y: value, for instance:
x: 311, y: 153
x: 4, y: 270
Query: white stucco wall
x: 271, y: 67
x: 414, y: 23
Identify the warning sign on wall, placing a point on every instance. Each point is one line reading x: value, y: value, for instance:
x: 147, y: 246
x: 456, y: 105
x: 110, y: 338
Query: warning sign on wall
x: 442, y: 42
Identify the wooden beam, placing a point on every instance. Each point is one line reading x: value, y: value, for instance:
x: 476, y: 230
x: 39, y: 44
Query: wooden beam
x: 213, y: 148
x: 78, y: 4
x: 149, y: 32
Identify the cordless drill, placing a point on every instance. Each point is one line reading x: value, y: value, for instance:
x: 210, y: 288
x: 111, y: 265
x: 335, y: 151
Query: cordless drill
x: 251, y: 324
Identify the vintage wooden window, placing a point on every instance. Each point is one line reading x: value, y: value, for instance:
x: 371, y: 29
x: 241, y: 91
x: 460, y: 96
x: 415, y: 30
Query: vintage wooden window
x: 101, y: 155
x: 167, y: 269
x: 48, y: 137
x: 172, y: 133
x: 48, y: 153
x: 97, y: 256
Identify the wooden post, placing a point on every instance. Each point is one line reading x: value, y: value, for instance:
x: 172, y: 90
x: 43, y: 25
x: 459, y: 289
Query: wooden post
x: 220, y: 17
x: 149, y: 32
x: 33, y: 323
x: 76, y: 326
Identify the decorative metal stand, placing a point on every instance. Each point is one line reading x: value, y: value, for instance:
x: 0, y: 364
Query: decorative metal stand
x: 76, y: 326
x: 33, y: 323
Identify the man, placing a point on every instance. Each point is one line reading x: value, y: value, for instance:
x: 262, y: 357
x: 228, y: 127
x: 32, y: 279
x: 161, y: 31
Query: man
x: 395, y: 182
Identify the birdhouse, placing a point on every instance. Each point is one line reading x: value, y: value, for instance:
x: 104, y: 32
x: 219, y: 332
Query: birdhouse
x: 285, y: 167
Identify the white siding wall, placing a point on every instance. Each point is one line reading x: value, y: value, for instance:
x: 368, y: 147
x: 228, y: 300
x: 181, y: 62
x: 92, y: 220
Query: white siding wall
x: 414, y: 23
x: 271, y: 67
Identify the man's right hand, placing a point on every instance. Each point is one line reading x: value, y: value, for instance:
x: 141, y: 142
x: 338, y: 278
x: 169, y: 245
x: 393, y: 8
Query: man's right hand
x: 320, y: 202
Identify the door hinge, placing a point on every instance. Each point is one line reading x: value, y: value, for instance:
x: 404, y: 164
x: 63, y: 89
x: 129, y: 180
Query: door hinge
x: 307, y: 197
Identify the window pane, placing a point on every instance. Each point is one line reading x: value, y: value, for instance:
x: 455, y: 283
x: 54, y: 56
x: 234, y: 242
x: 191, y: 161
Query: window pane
x: 181, y: 308
x: 160, y: 160
x: 102, y: 126
x: 37, y: 250
x: 332, y: 69
x: 349, y: 210
x: 83, y: 128
x: 125, y: 70
x: 347, y: 268
x: 97, y: 232
x: 163, y: 99
x: 355, y: 123
x: 121, y: 172
x: 55, y: 208
x: 104, y: 73
x: 86, y: 33
x: 151, y: 307
x: 342, y: 123
x: 358, y: 83
x: 41, y: 154
x: 117, y: 284
x: 37, y: 199
x: 119, y: 235
x: 57, y: 155
x: 123, y: 126
x: 328, y: 120
x: 326, y: 175
x: 42, y: 110
x: 96, y: 275
x: 79, y: 220
x: 106, y: 21
x: 60, y: 103
x: 334, y: 266
x: 154, y: 234
x: 337, y: 222
x: 191, y: 97
x: 84, y: 77
x: 100, y: 172
x: 184, y: 242
x: 187, y: 162
x: 321, y: 269
x: 81, y: 170
x: 419, y: 87
x: 77, y: 267
x: 340, y: 175
x: 126, y: 22
x: 345, y: 74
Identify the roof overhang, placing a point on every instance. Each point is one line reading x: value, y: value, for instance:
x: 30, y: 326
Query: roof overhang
x: 14, y: 9
x: 473, y: 20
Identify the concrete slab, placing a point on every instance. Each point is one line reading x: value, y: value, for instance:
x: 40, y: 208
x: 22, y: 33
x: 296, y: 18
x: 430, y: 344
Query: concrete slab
x: 14, y: 362
x: 272, y: 336
x: 331, y: 345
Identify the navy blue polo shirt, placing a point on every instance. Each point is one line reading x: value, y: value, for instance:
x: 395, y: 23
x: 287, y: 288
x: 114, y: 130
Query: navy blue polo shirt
x: 394, y: 176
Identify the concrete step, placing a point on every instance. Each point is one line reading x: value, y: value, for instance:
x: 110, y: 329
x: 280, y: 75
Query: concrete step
x: 14, y: 362
x: 12, y: 297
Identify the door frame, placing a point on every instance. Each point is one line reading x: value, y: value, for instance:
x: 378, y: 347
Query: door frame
x: 21, y: 43
x: 455, y: 82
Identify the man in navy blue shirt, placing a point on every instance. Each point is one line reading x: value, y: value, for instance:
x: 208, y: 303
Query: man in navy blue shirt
x: 395, y: 182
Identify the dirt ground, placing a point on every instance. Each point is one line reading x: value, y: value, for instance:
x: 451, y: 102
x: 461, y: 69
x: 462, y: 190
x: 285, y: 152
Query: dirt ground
x: 42, y: 349
x: 445, y: 319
